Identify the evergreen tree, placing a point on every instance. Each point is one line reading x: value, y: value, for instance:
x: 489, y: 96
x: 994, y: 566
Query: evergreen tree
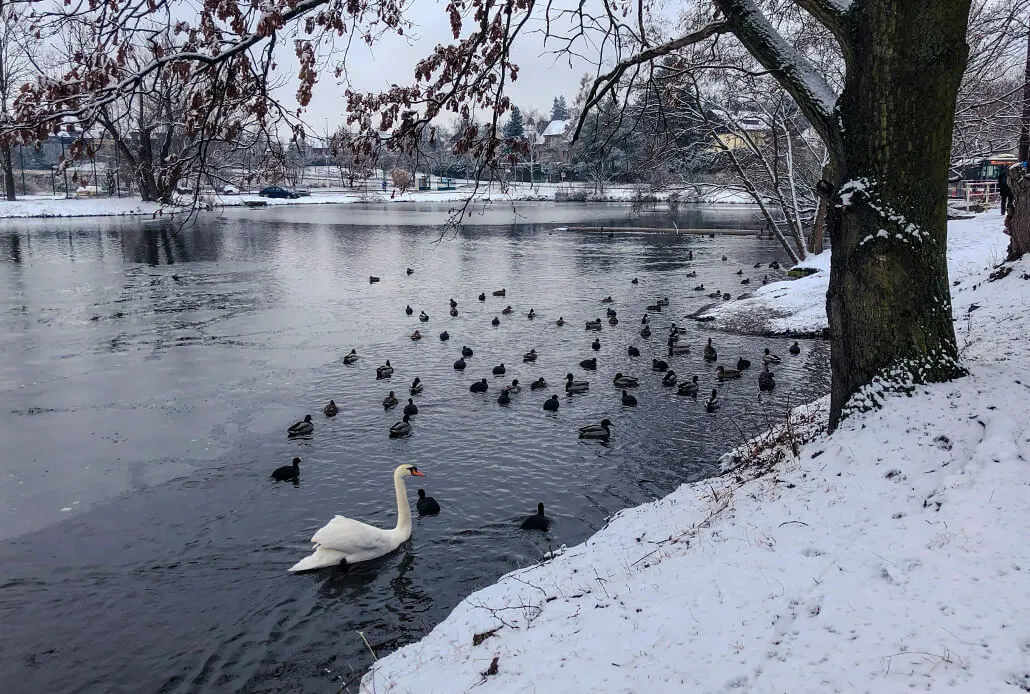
x: 559, y: 109
x: 515, y: 128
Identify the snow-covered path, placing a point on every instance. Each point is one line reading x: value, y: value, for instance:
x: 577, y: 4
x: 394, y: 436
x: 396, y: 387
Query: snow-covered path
x: 889, y: 557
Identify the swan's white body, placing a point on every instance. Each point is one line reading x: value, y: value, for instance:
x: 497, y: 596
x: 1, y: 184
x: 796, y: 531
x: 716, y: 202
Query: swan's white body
x: 345, y: 539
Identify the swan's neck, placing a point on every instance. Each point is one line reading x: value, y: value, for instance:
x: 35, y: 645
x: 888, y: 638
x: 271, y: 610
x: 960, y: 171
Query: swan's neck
x: 403, y: 508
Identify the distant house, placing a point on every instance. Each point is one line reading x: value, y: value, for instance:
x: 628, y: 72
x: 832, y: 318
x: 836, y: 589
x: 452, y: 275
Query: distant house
x: 736, y: 129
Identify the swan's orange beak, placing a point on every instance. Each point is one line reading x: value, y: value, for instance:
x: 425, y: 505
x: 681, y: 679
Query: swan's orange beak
x: 417, y: 473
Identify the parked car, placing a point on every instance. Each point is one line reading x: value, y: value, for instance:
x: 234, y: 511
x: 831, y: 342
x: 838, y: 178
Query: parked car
x: 302, y: 192
x: 229, y: 189
x: 277, y: 192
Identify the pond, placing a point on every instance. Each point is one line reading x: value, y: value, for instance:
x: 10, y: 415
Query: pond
x: 151, y: 369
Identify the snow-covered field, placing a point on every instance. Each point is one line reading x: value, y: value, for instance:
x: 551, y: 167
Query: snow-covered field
x: 50, y: 206
x: 889, y: 557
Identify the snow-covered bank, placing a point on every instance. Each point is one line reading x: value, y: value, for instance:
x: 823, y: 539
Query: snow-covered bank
x: 50, y: 206
x: 886, y: 558
x: 798, y: 307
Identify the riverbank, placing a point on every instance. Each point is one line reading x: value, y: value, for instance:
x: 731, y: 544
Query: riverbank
x: 881, y: 558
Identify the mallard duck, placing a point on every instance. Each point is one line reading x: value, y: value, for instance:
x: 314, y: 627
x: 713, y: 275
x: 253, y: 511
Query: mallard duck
x: 460, y: 364
x: 710, y: 354
x: 663, y: 302
x: 538, y: 384
x: 628, y: 400
x: 743, y: 363
x: 287, y: 473
x: 529, y: 356
x: 482, y: 297
x: 633, y: 351
x: 410, y: 271
x: 416, y: 386
x: 597, y: 431
x: 453, y: 312
x: 572, y: 386
x: 610, y: 312
x: 725, y: 374
x: 301, y: 428
x: 774, y: 265
x: 444, y: 336
x: 500, y: 292
x: 390, y: 401
x: 496, y: 321
x: 645, y: 332
x: 613, y: 321
x: 688, y: 387
x: 607, y: 300
x: 595, y: 345
x: 699, y: 288
x: 770, y: 358
x: 765, y: 280
x: 560, y: 322
x: 740, y: 272
x: 669, y: 379
x: 503, y: 398
x: 426, y: 505
x: 715, y: 295
x: 795, y: 348
x: 589, y: 364
x: 594, y: 324
x: 692, y: 273
x: 625, y: 381
x: 676, y: 348
x: 350, y: 358
x: 507, y: 310
x: 512, y: 387
x: 466, y: 351
x: 635, y: 281
x: 537, y: 521
x: 531, y: 315
x: 659, y: 365
x: 411, y: 408
x: 746, y: 281
x: 758, y: 265
x: 712, y: 404
x: 499, y: 370
x: 384, y: 371
x: 551, y: 404
x: 416, y: 335
x: 400, y: 429
x: 372, y: 279
x: 766, y: 380
x: 454, y: 304
x: 331, y: 410
x: 645, y: 320
x: 655, y: 307
x: 726, y: 296
x: 423, y: 316
x: 408, y: 309
x: 479, y: 386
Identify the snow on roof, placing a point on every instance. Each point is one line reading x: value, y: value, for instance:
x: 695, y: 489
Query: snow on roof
x: 555, y: 127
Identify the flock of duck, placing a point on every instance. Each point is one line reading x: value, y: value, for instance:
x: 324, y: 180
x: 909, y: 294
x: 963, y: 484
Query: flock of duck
x: 346, y: 541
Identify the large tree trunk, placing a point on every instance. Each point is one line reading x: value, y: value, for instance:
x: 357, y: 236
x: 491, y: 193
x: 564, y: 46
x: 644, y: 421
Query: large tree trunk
x: 7, y: 163
x: 889, y: 303
x: 1017, y: 221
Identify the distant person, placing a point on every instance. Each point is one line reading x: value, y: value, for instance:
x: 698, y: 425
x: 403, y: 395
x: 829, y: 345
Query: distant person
x: 384, y: 185
x: 1003, y: 188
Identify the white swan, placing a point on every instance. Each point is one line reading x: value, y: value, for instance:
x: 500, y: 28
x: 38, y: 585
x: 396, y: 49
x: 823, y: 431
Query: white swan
x: 346, y: 540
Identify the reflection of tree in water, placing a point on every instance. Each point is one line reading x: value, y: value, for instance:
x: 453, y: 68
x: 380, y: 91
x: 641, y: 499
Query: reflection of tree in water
x: 15, y: 253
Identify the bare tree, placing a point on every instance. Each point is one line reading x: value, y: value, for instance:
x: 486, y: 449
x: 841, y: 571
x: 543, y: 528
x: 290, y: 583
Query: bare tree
x: 15, y: 69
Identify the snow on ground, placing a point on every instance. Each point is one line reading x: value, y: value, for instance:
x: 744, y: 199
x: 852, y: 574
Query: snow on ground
x: 50, y: 206
x: 888, y: 557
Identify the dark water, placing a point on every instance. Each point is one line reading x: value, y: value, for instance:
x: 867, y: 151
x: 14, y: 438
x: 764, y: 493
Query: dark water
x: 150, y: 371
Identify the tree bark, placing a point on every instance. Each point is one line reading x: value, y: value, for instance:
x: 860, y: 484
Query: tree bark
x: 8, y: 166
x: 815, y: 241
x: 889, y: 302
x: 1017, y: 221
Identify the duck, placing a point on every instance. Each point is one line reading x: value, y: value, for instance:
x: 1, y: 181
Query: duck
x: 699, y: 288
x: 589, y: 364
x: 688, y: 387
x: 408, y: 309
x: 645, y: 320
x: 726, y: 296
x: 426, y: 505
x: 659, y: 365
x: 503, y: 398
x: 479, y: 386
x: 444, y: 336
x: 657, y: 308
x: 607, y: 300
x: 628, y: 400
x: 529, y: 356
x: 507, y: 310
x: 594, y: 324
x: 625, y: 381
x: 466, y: 351
x: 416, y: 335
x: 765, y: 280
x: 692, y: 273
x: 500, y: 292
x: 677, y: 348
x: 715, y: 295
x: 453, y: 312
x: 384, y: 371
x: 712, y: 404
x: 538, y: 521
x: 710, y: 353
x: 572, y: 386
x: 499, y: 370
x: 372, y: 279
x: 560, y: 322
x: 743, y: 363
x: 613, y: 321
x: 401, y: 428
x: 724, y: 258
x: 597, y: 431
x: 482, y: 297
x: 301, y: 428
x: 390, y: 401
x: 758, y: 265
x: 770, y: 358
x: 531, y: 315
x: 774, y: 265
x: 538, y: 384
x: 635, y: 281
x: 669, y: 379
x: 595, y: 345
x: 416, y: 386
x: 287, y: 473
x: 423, y: 316
x: 411, y: 409
x: 551, y: 404
x: 460, y: 364
x: 740, y: 272
x: 350, y: 358
x: 345, y: 540
x: 690, y: 255
x: 746, y: 280
x: 611, y: 312
x: 512, y: 387
x: 645, y: 332
x: 410, y: 271
x: 496, y: 321
x: 663, y: 301
x: 633, y: 351
x: 795, y: 348
x: 725, y: 374
x: 453, y: 303
x: 331, y: 410
x: 766, y: 381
